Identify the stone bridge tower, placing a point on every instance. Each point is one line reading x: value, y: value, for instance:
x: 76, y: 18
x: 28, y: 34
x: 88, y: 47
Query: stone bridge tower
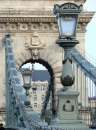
x: 33, y: 29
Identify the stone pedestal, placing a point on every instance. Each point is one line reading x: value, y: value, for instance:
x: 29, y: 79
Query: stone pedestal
x: 68, y: 115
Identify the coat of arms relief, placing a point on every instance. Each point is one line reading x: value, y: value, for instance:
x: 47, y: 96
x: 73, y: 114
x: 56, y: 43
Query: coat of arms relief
x: 35, y: 44
x: 68, y: 107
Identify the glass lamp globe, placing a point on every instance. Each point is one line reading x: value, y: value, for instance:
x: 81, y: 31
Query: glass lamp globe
x: 27, y: 75
x: 67, y: 17
x: 66, y: 25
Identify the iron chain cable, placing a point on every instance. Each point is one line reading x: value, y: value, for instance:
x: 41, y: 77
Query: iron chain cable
x: 14, y: 81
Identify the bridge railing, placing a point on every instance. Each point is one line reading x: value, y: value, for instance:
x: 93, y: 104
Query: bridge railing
x: 85, y: 83
x: 46, y: 100
x: 15, y: 96
x: 88, y: 57
x: 17, y: 115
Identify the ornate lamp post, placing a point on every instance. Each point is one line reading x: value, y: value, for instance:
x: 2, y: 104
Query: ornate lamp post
x: 67, y: 17
x: 27, y: 75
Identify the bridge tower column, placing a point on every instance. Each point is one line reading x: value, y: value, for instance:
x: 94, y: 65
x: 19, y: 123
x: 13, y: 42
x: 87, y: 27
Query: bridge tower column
x: 67, y: 113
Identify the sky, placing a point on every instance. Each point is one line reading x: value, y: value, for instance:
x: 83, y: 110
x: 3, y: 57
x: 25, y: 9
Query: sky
x: 90, y: 35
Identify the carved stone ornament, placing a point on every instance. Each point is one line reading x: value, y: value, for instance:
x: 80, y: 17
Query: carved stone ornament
x: 34, y: 43
x: 35, y: 54
x: 68, y: 107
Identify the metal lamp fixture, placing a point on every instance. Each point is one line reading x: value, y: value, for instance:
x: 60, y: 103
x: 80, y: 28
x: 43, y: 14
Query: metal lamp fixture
x: 67, y: 17
x: 27, y: 75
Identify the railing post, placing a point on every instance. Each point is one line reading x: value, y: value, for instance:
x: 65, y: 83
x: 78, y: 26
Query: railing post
x: 93, y: 100
x: 74, y: 71
x: 76, y: 77
x: 85, y: 97
x: 81, y: 88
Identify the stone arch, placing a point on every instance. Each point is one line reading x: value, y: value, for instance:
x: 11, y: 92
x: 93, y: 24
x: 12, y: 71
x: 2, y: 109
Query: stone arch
x: 45, y: 56
x: 50, y: 62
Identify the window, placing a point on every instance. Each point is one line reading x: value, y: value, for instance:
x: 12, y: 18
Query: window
x: 35, y: 97
x: 35, y: 105
x: 34, y: 88
x: 42, y: 98
x: 43, y: 87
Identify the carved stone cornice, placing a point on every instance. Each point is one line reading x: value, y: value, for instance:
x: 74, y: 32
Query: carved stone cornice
x: 28, y: 19
x: 39, y: 31
x: 27, y: 24
x: 84, y: 17
x: 35, y: 19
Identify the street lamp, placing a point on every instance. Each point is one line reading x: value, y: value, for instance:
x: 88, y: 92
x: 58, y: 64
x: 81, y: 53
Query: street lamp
x: 67, y: 17
x: 67, y: 111
x: 27, y: 75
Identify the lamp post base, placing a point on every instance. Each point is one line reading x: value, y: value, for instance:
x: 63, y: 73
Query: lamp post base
x: 70, y: 124
x: 67, y: 114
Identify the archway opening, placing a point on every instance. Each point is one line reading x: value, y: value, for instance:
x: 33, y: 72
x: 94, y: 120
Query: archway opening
x: 37, y: 98
x: 42, y: 62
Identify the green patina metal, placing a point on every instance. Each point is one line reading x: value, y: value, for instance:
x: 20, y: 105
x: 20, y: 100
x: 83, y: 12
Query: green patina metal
x: 68, y: 115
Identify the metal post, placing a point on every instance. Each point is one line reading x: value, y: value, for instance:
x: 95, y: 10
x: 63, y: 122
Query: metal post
x: 88, y: 103
x: 85, y: 97
x: 81, y: 87
x: 77, y: 77
x: 68, y: 98
x: 54, y: 100
x: 92, y: 99
x: 95, y: 104
x: 74, y: 72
